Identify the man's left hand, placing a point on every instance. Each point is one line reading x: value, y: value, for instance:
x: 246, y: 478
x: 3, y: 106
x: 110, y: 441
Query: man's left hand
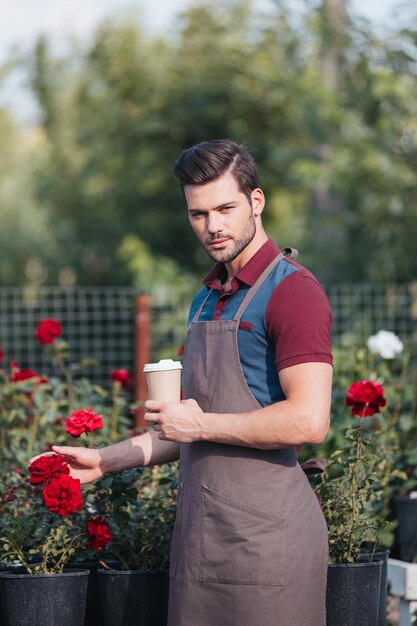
x: 175, y: 421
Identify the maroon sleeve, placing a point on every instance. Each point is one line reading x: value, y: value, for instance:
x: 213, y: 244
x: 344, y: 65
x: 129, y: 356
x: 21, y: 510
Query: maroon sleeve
x: 298, y: 319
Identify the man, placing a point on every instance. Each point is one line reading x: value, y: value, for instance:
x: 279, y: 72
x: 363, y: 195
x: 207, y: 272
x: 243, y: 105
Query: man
x: 250, y: 543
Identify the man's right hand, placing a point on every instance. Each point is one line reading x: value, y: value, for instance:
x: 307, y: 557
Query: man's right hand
x: 84, y: 463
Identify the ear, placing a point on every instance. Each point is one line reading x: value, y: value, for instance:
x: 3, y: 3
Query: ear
x: 258, y: 201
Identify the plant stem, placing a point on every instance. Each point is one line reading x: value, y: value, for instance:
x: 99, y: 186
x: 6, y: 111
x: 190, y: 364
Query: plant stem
x: 397, y: 407
x: 67, y: 375
x: 65, y: 553
x: 122, y: 561
x: 353, y: 509
x: 34, y: 429
x: 115, y: 411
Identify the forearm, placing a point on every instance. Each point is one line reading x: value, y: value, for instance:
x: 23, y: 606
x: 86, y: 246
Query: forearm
x: 146, y: 449
x: 277, y: 426
x: 302, y: 418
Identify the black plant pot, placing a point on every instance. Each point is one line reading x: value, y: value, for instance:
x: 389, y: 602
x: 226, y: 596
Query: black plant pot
x: 353, y: 594
x: 134, y: 598
x: 4, y: 567
x: 47, y: 599
x: 380, y: 555
x: 93, y: 610
x: 405, y: 510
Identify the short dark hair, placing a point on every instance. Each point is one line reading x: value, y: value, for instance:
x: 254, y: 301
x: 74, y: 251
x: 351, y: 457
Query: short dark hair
x: 209, y: 160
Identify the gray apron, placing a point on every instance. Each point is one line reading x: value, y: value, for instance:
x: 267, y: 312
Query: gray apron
x: 249, y: 546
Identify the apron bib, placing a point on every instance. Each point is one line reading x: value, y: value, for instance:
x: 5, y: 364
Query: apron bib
x: 249, y: 546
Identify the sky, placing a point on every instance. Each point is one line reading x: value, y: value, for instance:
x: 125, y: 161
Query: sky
x: 22, y: 21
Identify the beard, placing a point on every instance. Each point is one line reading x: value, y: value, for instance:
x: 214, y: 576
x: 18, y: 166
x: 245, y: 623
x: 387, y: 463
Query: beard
x: 238, y: 243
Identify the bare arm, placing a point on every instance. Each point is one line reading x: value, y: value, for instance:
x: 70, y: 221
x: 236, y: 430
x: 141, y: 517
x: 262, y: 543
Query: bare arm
x: 302, y: 418
x: 88, y: 464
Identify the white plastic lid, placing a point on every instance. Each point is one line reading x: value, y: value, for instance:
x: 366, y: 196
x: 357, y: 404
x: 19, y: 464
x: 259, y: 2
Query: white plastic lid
x: 162, y: 365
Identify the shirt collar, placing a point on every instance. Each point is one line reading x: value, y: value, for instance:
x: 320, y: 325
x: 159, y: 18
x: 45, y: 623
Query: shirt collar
x: 249, y: 272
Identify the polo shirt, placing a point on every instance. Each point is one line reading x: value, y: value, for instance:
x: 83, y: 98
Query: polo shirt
x: 288, y: 322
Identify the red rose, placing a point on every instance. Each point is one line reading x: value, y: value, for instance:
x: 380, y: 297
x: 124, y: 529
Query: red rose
x: 365, y: 398
x: 1, y: 354
x: 99, y: 533
x: 83, y: 421
x: 121, y: 376
x: 47, y: 331
x: 19, y: 375
x: 63, y: 494
x: 46, y: 467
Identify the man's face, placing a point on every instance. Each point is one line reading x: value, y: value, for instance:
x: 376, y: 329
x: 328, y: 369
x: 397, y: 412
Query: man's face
x: 222, y: 217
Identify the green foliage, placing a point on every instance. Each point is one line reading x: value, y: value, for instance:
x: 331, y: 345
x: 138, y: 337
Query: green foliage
x: 30, y: 535
x: 139, y: 504
x: 351, y: 492
x: 356, y: 492
x: 330, y: 117
x: 140, y: 507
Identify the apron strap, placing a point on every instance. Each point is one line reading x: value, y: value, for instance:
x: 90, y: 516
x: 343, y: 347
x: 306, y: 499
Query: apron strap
x: 201, y: 307
x: 289, y: 253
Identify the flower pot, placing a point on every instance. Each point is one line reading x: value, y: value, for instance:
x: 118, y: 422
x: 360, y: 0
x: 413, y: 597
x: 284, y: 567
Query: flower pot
x: 380, y: 555
x: 47, y: 599
x: 353, y: 594
x: 4, y: 567
x: 93, y: 611
x: 134, y: 598
x: 405, y: 509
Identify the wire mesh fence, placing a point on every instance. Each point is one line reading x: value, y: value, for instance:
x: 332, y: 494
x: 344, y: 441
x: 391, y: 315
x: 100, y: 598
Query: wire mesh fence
x: 364, y: 309
x: 99, y: 323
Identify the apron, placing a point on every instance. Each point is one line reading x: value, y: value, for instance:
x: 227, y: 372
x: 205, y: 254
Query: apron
x: 249, y: 547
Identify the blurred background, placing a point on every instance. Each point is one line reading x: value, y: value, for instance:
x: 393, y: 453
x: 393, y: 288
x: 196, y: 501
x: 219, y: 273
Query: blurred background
x: 98, y: 98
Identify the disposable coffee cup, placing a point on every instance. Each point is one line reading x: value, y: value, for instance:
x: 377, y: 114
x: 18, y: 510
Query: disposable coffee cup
x: 164, y: 380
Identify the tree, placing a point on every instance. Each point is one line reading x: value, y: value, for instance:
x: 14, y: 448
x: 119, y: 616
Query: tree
x: 336, y: 150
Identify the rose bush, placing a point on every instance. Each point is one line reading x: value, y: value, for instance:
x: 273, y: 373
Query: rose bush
x: 139, y: 506
x: 388, y: 420
x: 351, y: 487
x: 46, y: 517
x: 33, y: 407
x: 48, y: 531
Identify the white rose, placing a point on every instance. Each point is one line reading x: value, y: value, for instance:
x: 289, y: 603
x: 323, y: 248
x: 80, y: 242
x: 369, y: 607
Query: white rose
x: 386, y: 344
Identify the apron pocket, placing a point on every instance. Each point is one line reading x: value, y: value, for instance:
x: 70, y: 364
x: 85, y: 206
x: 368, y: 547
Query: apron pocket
x: 240, y: 544
x: 175, y: 540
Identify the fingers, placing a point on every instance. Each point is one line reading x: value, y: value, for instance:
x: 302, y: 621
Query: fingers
x: 34, y: 458
x: 153, y: 405
x: 151, y: 417
x: 66, y: 450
